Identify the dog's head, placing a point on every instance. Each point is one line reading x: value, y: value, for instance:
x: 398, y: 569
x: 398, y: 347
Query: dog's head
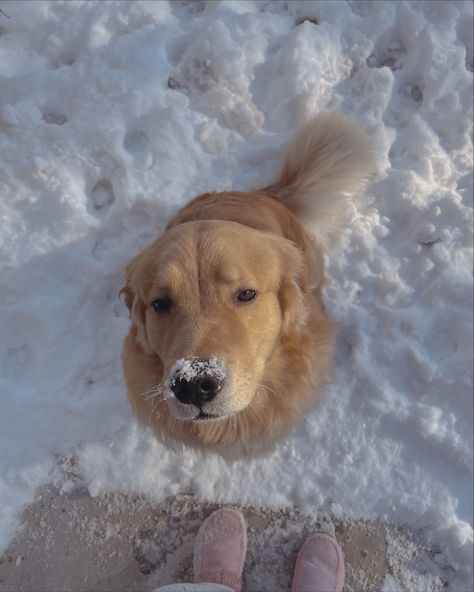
x: 211, y: 300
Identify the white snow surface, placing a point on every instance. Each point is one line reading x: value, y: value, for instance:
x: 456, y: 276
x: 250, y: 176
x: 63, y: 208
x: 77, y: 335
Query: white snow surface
x: 191, y: 368
x: 112, y: 116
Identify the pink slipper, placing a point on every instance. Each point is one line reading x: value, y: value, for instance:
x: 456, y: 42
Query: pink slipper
x: 319, y: 566
x: 220, y: 547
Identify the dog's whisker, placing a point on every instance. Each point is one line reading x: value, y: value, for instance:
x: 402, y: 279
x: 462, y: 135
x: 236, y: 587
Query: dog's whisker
x: 267, y: 388
x: 271, y: 381
x: 154, y: 408
x: 154, y: 393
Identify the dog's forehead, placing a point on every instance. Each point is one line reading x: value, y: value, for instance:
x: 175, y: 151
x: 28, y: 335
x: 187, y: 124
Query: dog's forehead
x: 224, y: 252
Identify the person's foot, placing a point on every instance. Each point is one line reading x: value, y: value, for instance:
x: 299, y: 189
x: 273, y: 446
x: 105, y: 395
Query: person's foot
x: 319, y: 566
x: 220, y: 547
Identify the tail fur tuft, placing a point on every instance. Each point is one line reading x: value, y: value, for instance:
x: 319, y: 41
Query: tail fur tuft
x: 328, y: 161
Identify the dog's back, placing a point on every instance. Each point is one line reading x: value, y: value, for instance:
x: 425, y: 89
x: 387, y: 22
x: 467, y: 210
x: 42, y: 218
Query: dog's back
x: 328, y: 161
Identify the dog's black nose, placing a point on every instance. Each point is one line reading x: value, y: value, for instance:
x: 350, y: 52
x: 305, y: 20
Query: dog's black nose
x: 197, y: 390
x: 195, y: 381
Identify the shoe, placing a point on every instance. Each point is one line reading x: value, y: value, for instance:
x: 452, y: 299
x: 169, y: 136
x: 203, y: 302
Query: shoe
x: 220, y: 548
x: 319, y: 566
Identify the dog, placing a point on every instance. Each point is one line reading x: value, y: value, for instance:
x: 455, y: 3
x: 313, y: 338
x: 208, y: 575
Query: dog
x: 229, y: 342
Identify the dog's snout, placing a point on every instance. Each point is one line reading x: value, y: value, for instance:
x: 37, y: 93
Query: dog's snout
x: 197, y: 381
x: 196, y: 391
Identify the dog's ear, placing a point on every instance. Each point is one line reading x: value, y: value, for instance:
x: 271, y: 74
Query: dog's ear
x: 126, y: 297
x: 294, y: 286
x: 130, y: 296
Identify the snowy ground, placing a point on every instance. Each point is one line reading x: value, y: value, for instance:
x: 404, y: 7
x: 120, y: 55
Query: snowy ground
x: 122, y: 543
x: 113, y: 115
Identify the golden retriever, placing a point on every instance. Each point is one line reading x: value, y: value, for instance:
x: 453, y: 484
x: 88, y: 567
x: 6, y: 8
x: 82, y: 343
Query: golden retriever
x: 229, y: 342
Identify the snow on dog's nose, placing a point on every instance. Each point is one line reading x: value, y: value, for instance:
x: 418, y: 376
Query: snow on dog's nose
x: 196, y: 381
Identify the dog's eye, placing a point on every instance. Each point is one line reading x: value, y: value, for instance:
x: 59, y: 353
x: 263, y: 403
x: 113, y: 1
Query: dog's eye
x: 246, y: 295
x: 161, y: 305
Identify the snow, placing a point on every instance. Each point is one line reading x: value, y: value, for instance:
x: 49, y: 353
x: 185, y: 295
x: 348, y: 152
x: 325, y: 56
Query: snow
x: 112, y: 116
x: 189, y: 369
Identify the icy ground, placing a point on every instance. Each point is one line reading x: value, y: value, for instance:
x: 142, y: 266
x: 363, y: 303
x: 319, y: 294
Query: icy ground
x: 112, y: 116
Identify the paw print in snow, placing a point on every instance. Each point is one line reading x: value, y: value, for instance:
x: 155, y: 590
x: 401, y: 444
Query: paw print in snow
x: 55, y: 117
x: 389, y: 55
x: 102, y: 194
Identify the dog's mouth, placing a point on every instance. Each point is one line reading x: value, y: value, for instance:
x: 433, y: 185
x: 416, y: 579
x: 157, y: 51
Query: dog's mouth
x: 202, y: 416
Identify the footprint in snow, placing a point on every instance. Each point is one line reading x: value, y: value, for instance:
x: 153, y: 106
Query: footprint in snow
x: 55, y: 117
x: 102, y: 194
x: 388, y: 54
x: 135, y: 141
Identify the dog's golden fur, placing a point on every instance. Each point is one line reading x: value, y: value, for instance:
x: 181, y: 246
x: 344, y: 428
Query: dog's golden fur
x: 278, y: 349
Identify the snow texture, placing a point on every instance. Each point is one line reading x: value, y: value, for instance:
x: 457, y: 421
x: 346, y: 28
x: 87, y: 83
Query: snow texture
x: 113, y: 115
x: 190, y: 369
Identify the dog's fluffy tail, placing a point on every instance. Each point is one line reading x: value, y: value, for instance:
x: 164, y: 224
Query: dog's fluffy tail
x: 328, y: 161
